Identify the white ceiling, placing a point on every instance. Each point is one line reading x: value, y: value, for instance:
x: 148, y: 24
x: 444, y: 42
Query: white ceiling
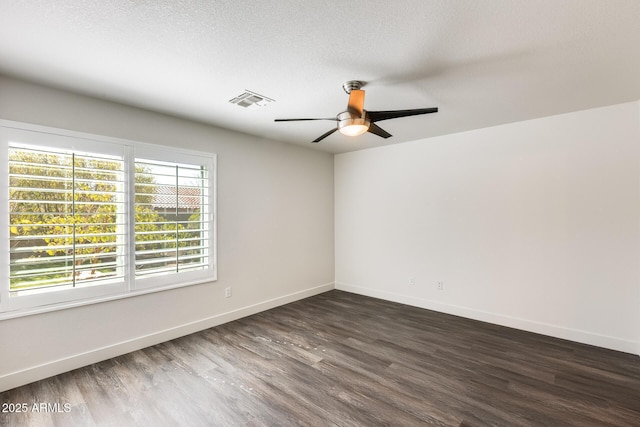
x: 482, y: 62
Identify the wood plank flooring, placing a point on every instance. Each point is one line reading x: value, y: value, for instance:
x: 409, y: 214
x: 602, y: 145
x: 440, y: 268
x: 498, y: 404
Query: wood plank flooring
x: 339, y: 359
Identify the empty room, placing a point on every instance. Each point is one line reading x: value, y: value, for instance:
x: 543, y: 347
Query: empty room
x: 320, y: 213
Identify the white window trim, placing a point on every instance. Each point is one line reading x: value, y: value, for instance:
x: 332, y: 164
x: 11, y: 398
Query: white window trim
x: 58, y: 300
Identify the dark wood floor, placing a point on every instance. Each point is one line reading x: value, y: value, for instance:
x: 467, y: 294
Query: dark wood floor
x: 347, y: 360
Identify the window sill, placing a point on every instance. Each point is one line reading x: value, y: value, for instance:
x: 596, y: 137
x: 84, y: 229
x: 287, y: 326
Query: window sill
x: 97, y: 300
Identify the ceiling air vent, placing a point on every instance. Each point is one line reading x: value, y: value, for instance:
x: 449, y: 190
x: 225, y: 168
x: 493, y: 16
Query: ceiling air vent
x: 249, y: 99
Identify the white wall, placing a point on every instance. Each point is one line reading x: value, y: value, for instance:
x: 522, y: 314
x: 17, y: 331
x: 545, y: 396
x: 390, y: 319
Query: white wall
x: 275, y: 237
x: 534, y: 225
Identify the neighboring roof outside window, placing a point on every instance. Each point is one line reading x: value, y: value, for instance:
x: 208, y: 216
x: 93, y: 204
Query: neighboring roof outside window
x: 188, y: 198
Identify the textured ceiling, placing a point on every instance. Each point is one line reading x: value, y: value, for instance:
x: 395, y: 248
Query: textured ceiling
x: 482, y: 62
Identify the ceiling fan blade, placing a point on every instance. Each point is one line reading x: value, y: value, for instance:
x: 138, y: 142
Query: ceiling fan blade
x: 377, y: 130
x: 324, y: 135
x: 333, y: 119
x: 356, y: 102
x: 376, y: 116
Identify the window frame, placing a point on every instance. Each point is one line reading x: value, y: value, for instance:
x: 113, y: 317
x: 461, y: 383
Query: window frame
x: 156, y: 153
x: 54, y: 138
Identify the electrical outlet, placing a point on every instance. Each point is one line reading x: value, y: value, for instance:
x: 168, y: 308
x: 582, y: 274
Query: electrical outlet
x: 412, y: 280
x: 440, y: 285
x: 227, y: 292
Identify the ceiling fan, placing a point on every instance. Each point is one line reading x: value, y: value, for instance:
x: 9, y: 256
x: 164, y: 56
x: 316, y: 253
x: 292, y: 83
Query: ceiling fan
x: 356, y: 120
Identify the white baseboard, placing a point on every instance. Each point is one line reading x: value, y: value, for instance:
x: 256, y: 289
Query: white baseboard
x: 576, y: 335
x: 36, y: 373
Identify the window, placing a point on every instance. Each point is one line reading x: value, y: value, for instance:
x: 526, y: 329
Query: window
x: 66, y: 219
x: 171, y: 227
x: 89, y: 218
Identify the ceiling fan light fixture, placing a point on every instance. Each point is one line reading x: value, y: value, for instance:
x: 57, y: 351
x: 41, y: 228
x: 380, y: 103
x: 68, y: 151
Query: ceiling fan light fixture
x: 352, y: 126
x: 354, y: 130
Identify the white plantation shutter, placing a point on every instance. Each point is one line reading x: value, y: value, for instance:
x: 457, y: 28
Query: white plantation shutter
x: 173, y: 198
x: 66, y: 216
